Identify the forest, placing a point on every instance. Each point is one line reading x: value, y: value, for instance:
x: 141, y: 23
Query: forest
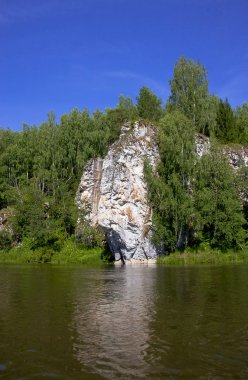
x: 194, y: 201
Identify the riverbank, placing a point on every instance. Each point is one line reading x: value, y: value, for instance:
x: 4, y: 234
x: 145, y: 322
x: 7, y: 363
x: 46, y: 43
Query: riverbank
x: 199, y: 257
x: 72, y: 253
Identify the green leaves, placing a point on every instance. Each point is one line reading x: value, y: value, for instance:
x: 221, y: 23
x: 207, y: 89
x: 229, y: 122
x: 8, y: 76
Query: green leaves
x: 189, y: 92
x: 194, y: 199
x: 241, y: 131
x: 40, y: 170
x: 217, y: 202
x: 149, y: 105
x: 225, y: 120
x: 170, y: 190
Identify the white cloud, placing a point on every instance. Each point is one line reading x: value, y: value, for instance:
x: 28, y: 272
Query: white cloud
x: 157, y: 86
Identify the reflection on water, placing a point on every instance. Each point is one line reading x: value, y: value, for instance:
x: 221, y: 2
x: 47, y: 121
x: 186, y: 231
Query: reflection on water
x: 113, y: 325
x: 123, y: 323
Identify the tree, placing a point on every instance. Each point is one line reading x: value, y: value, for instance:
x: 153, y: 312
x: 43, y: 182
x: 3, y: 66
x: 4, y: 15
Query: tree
x: 193, y: 199
x: 8, y: 139
x: 29, y: 219
x: 225, y: 123
x: 242, y: 124
x: 169, y: 189
x: 149, y: 105
x: 27, y: 148
x: 189, y: 92
x: 217, y: 202
x: 127, y: 107
x: 211, y: 115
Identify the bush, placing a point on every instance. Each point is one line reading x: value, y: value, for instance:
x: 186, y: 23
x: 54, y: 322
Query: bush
x: 90, y: 236
x: 5, y: 240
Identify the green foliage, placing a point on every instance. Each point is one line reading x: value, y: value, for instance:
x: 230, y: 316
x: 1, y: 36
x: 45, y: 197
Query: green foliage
x: 106, y: 255
x: 5, y: 240
x: 71, y: 253
x: 169, y: 188
x: 194, y: 200
x: 128, y: 109
x: 40, y: 170
x: 210, y: 126
x: 189, y: 92
x: 89, y: 236
x: 149, y: 105
x: 76, y: 253
x: 31, y: 218
x: 8, y: 144
x: 204, y: 256
x: 225, y: 123
x: 25, y: 254
x: 243, y: 182
x: 217, y: 203
x: 241, y: 135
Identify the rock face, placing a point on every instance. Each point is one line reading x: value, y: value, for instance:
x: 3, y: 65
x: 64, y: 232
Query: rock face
x: 5, y: 215
x: 114, y: 193
x: 202, y: 145
x: 237, y: 155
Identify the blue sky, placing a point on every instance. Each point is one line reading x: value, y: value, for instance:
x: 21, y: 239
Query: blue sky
x: 60, y: 54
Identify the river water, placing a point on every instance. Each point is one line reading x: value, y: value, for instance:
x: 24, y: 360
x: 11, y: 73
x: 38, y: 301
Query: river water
x: 123, y: 322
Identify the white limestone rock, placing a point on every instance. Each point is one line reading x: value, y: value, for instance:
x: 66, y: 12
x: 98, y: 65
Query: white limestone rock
x: 202, y: 145
x: 237, y: 156
x: 114, y: 193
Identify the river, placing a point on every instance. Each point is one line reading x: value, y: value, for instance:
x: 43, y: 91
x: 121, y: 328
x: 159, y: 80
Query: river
x: 127, y: 322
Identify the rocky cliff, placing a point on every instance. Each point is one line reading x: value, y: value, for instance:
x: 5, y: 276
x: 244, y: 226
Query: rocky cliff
x: 114, y: 193
x: 237, y: 155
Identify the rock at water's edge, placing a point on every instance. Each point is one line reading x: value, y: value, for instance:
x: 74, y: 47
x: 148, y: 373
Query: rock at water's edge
x: 114, y: 191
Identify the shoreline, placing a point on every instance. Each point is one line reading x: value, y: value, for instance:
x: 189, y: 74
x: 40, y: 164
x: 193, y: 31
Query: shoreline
x: 71, y: 254
x: 209, y: 257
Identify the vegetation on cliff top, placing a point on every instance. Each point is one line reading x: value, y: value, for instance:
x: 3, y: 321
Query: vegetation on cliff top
x: 194, y: 201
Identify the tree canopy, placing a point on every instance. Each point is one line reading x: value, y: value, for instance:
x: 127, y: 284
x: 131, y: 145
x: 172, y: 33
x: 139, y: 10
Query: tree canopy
x: 149, y: 105
x: 189, y: 91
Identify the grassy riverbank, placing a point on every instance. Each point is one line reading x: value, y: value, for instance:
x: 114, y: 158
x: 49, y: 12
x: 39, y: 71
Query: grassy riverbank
x: 70, y: 253
x: 199, y: 257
